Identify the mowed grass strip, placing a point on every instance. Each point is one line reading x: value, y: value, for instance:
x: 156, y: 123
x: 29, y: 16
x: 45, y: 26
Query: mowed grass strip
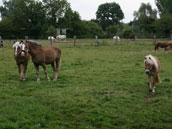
x: 100, y: 86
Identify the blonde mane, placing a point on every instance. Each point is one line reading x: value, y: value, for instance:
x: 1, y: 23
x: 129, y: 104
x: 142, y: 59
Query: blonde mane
x: 149, y: 59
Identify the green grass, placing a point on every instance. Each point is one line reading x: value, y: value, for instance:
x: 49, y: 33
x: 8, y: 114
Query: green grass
x: 99, y: 87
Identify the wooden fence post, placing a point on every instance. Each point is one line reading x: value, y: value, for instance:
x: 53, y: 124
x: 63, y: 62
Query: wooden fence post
x: 116, y: 40
x: 0, y: 42
x: 154, y: 39
x: 51, y: 41
x: 74, y: 43
x: 26, y: 38
x: 96, y: 40
x: 136, y: 40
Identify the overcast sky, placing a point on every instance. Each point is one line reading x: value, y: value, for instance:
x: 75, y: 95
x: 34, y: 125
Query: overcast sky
x: 88, y: 8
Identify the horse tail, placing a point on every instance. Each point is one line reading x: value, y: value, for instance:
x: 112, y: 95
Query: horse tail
x: 58, y: 60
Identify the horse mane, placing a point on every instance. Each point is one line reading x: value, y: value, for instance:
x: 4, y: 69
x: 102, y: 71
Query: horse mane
x: 33, y: 43
x: 152, y: 61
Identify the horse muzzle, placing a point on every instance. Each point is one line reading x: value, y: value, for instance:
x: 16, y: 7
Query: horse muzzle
x: 147, y: 71
x: 15, y: 54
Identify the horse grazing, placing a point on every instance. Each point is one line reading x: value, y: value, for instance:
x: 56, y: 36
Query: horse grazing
x: 51, y: 39
x: 43, y: 56
x: 22, y: 58
x: 117, y: 38
x: 61, y: 37
x: 152, y: 68
x: 162, y: 45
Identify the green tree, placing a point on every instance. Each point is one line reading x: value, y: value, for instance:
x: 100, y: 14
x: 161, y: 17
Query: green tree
x: 164, y: 25
x: 145, y: 18
x: 27, y: 15
x: 51, y: 31
x: 164, y: 6
x: 111, y: 30
x: 109, y: 14
x: 55, y: 9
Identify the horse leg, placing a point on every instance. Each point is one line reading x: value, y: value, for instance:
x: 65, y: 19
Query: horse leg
x: 57, y: 69
x: 24, y: 72
x: 45, y: 71
x: 53, y: 67
x: 149, y: 83
x: 154, y: 83
x: 37, y: 72
x: 19, y: 70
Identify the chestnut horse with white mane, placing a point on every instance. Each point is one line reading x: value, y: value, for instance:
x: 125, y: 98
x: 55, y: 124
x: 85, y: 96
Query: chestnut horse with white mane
x: 152, y: 68
x: 22, y: 57
x: 43, y: 56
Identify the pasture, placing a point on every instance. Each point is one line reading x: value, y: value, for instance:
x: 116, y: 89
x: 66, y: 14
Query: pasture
x: 99, y: 87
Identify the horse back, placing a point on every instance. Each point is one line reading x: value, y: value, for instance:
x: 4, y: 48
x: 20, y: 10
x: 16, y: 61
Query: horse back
x: 51, y: 54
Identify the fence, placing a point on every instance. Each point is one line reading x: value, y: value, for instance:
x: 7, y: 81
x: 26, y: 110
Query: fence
x: 100, y: 41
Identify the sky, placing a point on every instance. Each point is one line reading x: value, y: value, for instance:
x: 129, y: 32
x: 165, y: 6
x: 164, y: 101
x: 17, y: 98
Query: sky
x: 87, y: 8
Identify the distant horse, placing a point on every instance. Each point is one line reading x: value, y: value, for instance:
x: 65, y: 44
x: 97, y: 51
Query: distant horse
x: 132, y: 36
x: 162, y: 45
x: 116, y: 38
x: 152, y: 68
x: 51, y: 39
x: 22, y: 58
x: 43, y: 56
x: 61, y: 37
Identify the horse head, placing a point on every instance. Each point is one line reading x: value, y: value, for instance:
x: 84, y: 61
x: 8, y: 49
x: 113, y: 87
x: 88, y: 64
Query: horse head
x: 20, y: 48
x: 148, y: 64
x: 24, y: 48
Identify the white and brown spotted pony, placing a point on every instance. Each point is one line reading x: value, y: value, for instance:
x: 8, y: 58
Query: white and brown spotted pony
x: 21, y: 57
x: 152, y: 69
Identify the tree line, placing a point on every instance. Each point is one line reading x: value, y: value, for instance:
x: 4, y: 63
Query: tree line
x: 39, y: 19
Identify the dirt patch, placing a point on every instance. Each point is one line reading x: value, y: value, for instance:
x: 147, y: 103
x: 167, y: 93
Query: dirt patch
x: 150, y: 97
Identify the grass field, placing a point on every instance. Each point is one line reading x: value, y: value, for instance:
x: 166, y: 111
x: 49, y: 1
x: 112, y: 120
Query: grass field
x: 99, y: 87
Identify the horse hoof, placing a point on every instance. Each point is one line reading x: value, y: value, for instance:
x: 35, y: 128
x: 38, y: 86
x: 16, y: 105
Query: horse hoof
x: 24, y: 79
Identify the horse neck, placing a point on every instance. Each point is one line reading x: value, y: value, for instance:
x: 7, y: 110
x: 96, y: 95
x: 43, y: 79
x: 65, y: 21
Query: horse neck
x: 33, y: 49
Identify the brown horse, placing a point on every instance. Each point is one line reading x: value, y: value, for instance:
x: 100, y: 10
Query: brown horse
x: 43, y: 56
x: 162, y: 45
x: 152, y: 68
x: 22, y: 58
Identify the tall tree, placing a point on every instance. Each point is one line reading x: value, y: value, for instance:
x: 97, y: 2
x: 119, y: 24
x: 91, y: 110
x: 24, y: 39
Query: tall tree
x: 55, y: 9
x: 109, y: 14
x: 145, y: 17
x: 164, y: 6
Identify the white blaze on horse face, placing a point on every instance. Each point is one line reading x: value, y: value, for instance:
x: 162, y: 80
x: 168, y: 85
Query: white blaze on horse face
x: 16, y: 46
x: 15, y: 54
x: 23, y: 49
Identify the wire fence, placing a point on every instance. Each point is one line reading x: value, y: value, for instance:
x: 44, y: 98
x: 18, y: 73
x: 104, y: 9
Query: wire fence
x: 102, y: 41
